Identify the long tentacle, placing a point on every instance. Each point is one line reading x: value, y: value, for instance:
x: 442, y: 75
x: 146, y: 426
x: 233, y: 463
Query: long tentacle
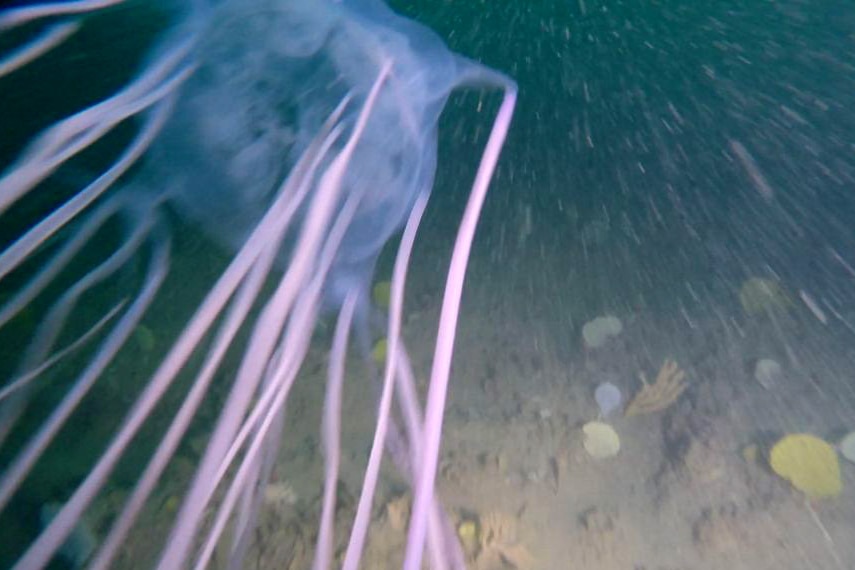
x: 295, y: 342
x: 55, y: 320
x: 363, y: 512
x: 47, y: 41
x: 331, y: 430
x: 446, y: 332
x: 20, y: 16
x: 16, y: 253
x: 42, y: 550
x: 71, y: 136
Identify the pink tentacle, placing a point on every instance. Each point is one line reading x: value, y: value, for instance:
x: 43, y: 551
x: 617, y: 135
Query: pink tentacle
x: 446, y: 333
x: 53, y: 37
x: 19, y: 16
x: 69, y: 137
x: 22, y: 381
x: 54, y: 322
x: 17, y: 252
x: 372, y: 470
x: 332, y: 432
x: 262, y: 342
x: 42, y: 550
x: 238, y: 311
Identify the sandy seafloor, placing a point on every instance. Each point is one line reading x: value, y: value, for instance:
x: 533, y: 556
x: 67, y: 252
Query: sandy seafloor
x: 680, y: 495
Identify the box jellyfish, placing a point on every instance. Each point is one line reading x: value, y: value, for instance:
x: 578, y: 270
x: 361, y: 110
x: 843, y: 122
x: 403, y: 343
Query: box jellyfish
x: 298, y: 135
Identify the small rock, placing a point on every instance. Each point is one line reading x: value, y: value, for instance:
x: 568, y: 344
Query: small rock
x: 600, y: 440
x: 768, y: 373
x: 397, y: 513
x: 596, y: 332
x: 847, y: 447
x: 608, y: 398
x: 280, y: 494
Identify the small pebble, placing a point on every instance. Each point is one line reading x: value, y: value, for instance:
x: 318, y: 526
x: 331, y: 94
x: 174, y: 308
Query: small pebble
x: 608, y: 397
x: 768, y: 373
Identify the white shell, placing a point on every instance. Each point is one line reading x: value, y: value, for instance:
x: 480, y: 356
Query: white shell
x: 608, y: 398
x: 598, y: 331
x: 847, y: 447
x: 768, y: 373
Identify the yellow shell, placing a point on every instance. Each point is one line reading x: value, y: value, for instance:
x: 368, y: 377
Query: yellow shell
x: 381, y: 294
x: 750, y: 453
x: 600, y: 440
x: 378, y: 353
x: 759, y: 296
x: 172, y: 503
x: 145, y: 338
x: 467, y: 532
x: 809, y: 463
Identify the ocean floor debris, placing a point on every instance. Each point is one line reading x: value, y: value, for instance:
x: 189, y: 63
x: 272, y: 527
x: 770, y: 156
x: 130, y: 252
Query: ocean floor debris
x: 601, y: 441
x: 669, y: 385
x: 381, y: 294
x: 809, y: 463
x: 595, y: 333
x: 378, y: 353
x: 145, y: 338
x: 719, y: 531
x: 847, y: 446
x: 467, y: 532
x: 499, y: 544
x: 604, y: 541
x: 759, y: 296
x: 608, y: 398
x: 768, y: 373
x: 398, y: 512
x: 280, y: 494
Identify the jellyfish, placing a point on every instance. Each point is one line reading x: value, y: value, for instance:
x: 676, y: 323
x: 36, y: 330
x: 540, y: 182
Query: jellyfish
x: 301, y: 136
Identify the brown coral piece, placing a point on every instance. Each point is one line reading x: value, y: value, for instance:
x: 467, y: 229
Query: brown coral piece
x: 719, y: 531
x: 499, y: 544
x: 603, y: 541
x: 669, y: 385
x: 398, y: 512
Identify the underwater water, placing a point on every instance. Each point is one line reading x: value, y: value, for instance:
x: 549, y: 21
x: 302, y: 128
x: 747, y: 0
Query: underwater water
x: 684, y: 168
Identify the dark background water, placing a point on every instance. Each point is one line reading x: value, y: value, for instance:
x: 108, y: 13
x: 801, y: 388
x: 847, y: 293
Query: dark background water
x: 626, y: 123
x: 629, y: 114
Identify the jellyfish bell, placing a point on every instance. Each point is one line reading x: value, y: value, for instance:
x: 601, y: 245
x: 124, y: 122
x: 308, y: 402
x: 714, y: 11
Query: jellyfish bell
x: 259, y: 95
x: 301, y: 135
